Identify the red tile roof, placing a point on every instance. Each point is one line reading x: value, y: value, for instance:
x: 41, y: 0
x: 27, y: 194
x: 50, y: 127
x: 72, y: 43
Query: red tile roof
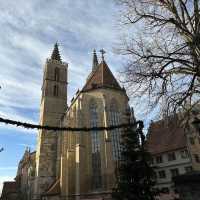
x: 101, y: 77
x: 165, y: 135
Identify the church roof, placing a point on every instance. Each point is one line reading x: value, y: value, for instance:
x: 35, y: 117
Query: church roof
x: 165, y: 135
x: 102, y: 77
x: 56, y: 54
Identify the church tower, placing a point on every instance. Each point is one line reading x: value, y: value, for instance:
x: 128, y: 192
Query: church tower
x: 53, y: 105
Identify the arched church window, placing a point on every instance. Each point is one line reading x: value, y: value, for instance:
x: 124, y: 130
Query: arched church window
x: 55, y: 90
x: 114, y: 119
x: 57, y: 74
x: 95, y: 141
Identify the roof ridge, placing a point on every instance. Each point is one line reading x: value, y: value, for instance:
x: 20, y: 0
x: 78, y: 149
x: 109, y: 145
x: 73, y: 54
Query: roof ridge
x: 101, y: 77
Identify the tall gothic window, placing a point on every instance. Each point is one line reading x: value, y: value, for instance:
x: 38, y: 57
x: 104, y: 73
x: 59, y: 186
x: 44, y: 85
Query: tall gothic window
x: 57, y: 74
x: 114, y: 119
x: 55, y: 90
x: 96, y: 155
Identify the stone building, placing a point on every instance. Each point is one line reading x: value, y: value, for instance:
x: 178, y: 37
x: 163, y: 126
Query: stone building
x: 175, y: 151
x: 78, y: 165
x: 22, y: 187
x: 9, y: 191
x: 26, y: 175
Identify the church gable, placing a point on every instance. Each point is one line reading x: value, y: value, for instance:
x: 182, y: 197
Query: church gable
x: 102, y: 77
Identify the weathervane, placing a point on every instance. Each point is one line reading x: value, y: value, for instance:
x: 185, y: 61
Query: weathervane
x: 102, y: 51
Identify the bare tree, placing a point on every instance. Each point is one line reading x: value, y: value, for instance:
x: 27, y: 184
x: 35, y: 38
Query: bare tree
x: 164, y: 56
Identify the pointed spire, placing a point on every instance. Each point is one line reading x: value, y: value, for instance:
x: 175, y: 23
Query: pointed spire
x: 95, y: 61
x: 55, y: 54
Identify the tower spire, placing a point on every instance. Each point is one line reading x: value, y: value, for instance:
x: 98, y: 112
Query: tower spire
x: 95, y: 61
x: 56, y: 54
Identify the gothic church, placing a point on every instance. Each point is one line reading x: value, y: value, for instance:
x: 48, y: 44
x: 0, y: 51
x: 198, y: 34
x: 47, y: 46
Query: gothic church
x: 78, y: 165
x: 73, y: 165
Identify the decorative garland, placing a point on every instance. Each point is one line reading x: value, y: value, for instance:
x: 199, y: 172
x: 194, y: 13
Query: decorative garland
x: 39, y: 127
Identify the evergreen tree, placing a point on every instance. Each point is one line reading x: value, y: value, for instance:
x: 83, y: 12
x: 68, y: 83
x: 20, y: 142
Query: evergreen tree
x: 134, y: 175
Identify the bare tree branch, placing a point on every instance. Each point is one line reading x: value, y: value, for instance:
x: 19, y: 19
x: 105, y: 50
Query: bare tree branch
x: 164, y: 60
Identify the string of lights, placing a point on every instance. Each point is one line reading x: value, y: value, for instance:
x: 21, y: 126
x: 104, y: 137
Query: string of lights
x: 54, y: 128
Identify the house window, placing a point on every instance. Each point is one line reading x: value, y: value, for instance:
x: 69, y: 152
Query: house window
x: 159, y: 159
x: 171, y: 156
x: 57, y: 74
x: 96, y: 152
x: 55, y: 90
x: 188, y: 169
x: 154, y: 175
x: 162, y: 174
x: 191, y: 140
x: 184, y: 154
x: 165, y: 190
x: 114, y: 119
x: 174, y: 172
x: 196, y: 157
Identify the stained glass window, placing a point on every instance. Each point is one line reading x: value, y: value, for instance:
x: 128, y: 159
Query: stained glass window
x: 96, y: 146
x: 114, y: 119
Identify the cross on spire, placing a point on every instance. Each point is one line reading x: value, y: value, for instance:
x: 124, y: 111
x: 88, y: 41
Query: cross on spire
x: 102, y: 51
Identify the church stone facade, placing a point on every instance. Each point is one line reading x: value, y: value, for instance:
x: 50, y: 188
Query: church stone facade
x: 81, y: 165
x: 78, y: 165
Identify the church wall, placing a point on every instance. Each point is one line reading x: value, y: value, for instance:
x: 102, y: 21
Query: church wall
x: 80, y: 143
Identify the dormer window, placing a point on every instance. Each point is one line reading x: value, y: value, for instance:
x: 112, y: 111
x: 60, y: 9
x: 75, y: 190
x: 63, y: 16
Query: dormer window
x: 171, y: 156
x: 184, y: 154
x: 159, y: 159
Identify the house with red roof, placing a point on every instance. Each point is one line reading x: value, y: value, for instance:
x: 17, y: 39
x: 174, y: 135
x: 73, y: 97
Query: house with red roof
x: 175, y: 151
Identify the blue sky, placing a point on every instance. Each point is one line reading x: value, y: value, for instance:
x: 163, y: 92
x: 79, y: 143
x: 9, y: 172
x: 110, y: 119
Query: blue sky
x: 28, y: 32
